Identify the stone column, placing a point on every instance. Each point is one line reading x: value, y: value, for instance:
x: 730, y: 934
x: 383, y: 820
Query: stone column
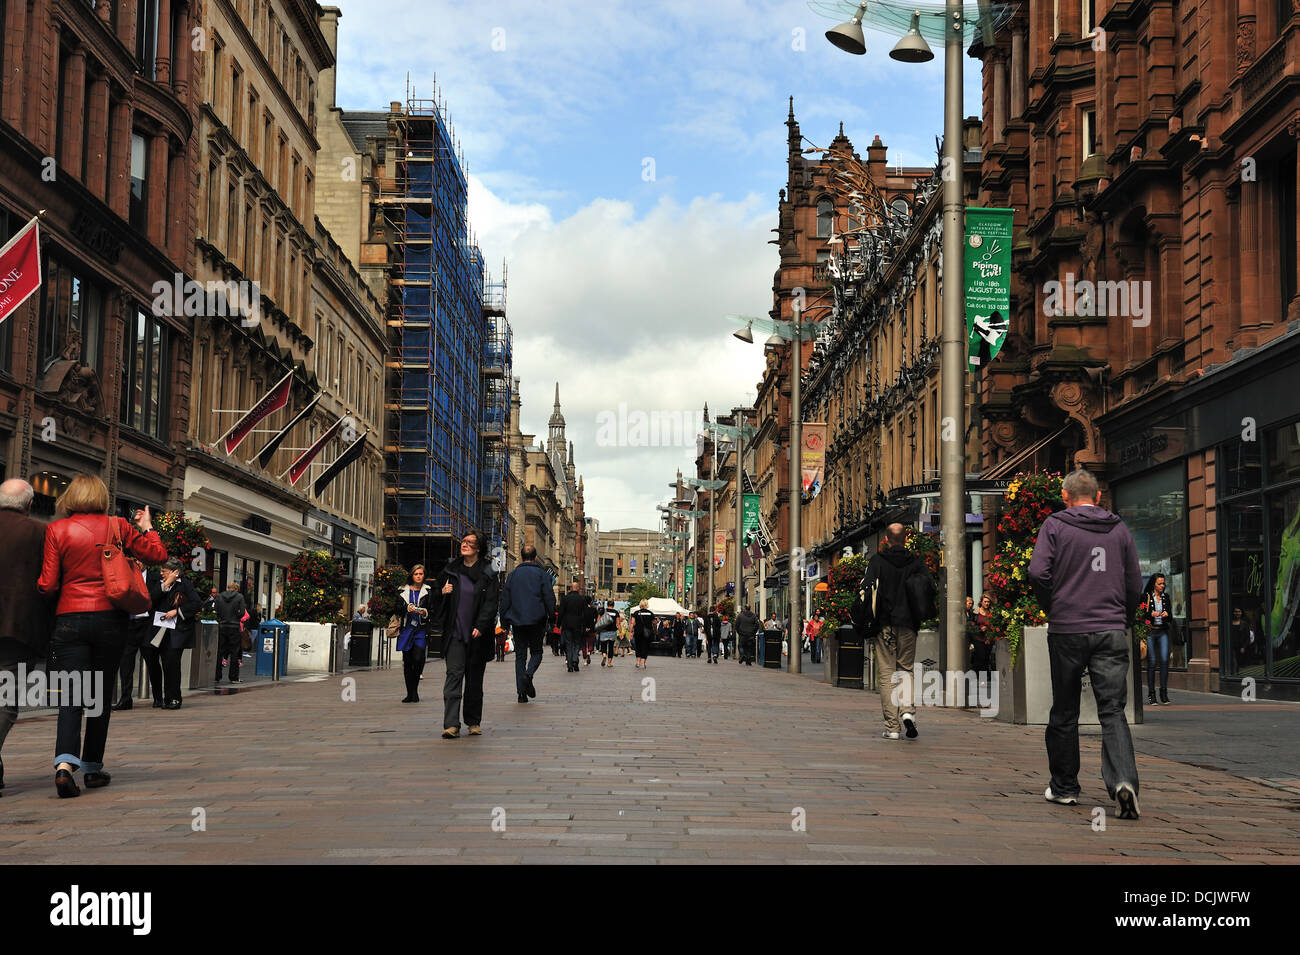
x: 1250, y: 278
x: 1018, y: 74
x: 74, y: 111
x: 176, y: 198
x: 163, y: 73
x: 119, y: 174
x: 1245, y: 34
x: 182, y: 53
x: 126, y: 15
x: 999, y: 96
x: 97, y: 134
x: 157, y: 190
x: 12, y: 92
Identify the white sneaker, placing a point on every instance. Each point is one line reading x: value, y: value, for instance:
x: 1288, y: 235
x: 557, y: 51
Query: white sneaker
x: 1060, y: 800
x: 889, y: 734
x: 1128, y: 801
x: 909, y: 724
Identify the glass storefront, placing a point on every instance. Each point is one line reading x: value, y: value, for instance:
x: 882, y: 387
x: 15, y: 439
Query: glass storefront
x: 1260, y: 515
x: 1154, y: 507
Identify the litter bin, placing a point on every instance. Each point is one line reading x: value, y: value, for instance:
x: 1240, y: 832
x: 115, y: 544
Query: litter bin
x: 204, y: 655
x: 772, y: 649
x: 272, y: 637
x: 850, y: 658
x: 363, y: 636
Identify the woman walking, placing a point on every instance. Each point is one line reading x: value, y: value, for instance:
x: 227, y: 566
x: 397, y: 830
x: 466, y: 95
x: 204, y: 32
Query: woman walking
x: 411, y: 639
x: 89, y: 630
x: 467, y: 607
x: 178, y: 601
x: 1154, y: 612
x: 643, y: 631
x: 624, y: 636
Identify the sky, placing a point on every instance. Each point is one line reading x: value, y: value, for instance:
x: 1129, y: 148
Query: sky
x: 624, y: 162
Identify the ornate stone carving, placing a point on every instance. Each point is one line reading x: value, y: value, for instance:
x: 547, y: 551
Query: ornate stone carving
x: 1245, y: 44
x: 1079, y: 401
x: 70, y: 381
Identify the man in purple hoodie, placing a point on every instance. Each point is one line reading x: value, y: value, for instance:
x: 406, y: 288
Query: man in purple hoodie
x: 1085, y: 575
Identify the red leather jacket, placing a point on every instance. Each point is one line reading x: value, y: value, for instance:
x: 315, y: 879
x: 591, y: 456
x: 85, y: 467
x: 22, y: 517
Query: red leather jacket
x: 72, y: 566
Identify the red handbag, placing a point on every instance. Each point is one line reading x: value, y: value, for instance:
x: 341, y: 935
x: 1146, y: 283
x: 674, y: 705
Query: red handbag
x: 123, y: 581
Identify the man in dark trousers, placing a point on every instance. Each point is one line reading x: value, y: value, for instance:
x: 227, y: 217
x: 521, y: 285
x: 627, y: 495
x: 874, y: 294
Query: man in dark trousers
x: 26, y: 617
x: 1085, y: 574
x: 713, y: 627
x: 230, y: 611
x: 527, y: 602
x: 573, y: 620
x: 746, y: 633
x: 893, y: 621
x: 139, y: 639
x: 679, y: 634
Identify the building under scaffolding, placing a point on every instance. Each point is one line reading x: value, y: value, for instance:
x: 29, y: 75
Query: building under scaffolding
x: 451, y: 347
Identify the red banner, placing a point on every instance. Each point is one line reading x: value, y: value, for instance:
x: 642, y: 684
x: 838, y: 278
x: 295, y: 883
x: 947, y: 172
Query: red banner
x: 271, y: 402
x: 20, y: 268
x: 299, y: 467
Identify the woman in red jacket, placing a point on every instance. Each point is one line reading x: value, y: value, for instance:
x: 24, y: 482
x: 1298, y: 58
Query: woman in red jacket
x: 88, y: 631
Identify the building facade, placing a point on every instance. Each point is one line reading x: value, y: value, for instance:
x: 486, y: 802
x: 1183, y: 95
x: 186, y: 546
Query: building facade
x: 1155, y: 302
x: 98, y: 113
x: 629, y: 556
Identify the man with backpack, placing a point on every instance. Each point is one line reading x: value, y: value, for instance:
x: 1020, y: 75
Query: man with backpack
x: 230, y: 614
x: 896, y: 594
x: 747, y: 630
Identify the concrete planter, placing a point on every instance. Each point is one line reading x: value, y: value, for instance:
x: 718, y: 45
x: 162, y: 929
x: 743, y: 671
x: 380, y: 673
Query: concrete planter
x: 1025, y: 693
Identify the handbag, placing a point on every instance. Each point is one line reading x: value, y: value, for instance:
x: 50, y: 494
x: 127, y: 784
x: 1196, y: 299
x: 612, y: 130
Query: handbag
x: 123, y: 576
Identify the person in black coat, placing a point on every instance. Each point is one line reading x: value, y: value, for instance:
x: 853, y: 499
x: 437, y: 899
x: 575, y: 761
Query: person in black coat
x: 139, y: 634
x: 573, y: 619
x: 466, y: 595
x: 178, y: 601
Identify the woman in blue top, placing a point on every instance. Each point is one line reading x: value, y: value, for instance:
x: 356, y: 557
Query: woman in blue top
x: 411, y: 640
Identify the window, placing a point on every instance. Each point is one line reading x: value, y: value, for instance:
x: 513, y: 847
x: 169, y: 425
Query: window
x: 236, y: 101
x: 268, y: 142
x: 1284, y: 10
x: 146, y: 36
x: 825, y: 217
x: 232, y: 220
x: 252, y: 125
x: 139, y: 210
x: 1285, y: 191
x: 72, y: 318
x: 214, y: 202
x: 1089, y: 132
x: 1090, y: 17
x: 250, y: 241
x: 218, y: 65
x: 145, y: 365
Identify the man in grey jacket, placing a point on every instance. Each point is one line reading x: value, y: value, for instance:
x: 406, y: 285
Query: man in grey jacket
x: 1085, y: 574
x: 527, y: 602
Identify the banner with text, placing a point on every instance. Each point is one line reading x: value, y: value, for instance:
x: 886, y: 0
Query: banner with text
x: 20, y: 268
x: 812, y: 458
x: 988, y: 282
x: 749, y: 504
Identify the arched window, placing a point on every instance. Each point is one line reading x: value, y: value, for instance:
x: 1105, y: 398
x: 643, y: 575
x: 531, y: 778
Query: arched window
x: 825, y: 217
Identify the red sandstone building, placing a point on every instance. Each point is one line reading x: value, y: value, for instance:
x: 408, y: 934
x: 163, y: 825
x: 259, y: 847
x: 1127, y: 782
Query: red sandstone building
x: 1154, y: 151
x: 97, y: 109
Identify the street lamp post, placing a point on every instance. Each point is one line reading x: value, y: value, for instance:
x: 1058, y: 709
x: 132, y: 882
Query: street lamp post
x: 796, y: 490
x: 912, y: 48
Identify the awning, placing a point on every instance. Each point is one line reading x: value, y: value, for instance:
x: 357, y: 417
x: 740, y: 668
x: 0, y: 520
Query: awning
x: 1003, y: 468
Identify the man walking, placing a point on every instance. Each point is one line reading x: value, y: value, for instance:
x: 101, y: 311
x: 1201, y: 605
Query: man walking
x: 747, y: 631
x: 894, y: 593
x: 713, y: 628
x: 25, y: 615
x: 230, y: 612
x: 573, y: 621
x: 692, y: 633
x: 1085, y: 574
x: 527, y: 602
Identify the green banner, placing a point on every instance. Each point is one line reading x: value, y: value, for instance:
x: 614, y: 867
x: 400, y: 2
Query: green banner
x: 690, y: 576
x: 988, y: 282
x: 672, y: 589
x: 749, y: 517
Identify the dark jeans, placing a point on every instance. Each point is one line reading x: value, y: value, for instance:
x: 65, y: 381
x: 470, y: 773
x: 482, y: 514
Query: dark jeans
x: 138, y: 635
x: 171, y: 671
x: 713, y: 648
x: 12, y: 653
x: 982, y: 657
x: 1158, y: 658
x: 1105, y: 656
x: 528, y: 652
x: 413, y: 669
x: 232, y: 646
x: 89, y: 644
x: 465, y: 665
x: 572, y: 640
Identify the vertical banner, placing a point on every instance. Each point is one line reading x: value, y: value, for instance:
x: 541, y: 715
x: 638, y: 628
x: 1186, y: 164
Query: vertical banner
x: 720, y: 539
x: 690, y: 576
x: 988, y: 282
x: 749, y: 504
x: 20, y: 268
x: 812, y: 458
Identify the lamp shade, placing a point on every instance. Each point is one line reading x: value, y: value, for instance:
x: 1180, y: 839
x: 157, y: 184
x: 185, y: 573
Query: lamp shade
x: 912, y: 48
x: 746, y: 334
x: 848, y: 37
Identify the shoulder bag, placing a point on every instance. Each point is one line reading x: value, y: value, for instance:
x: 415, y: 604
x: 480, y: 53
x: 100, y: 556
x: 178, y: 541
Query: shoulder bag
x: 123, y: 576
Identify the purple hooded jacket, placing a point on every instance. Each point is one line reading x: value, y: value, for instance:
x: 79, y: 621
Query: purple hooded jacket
x: 1085, y: 571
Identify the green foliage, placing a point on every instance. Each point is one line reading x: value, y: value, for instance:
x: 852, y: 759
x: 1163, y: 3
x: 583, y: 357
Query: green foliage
x: 386, y: 599
x: 727, y: 608
x: 315, y: 588
x: 181, y: 536
x: 642, y: 590
x: 841, y: 588
x: 1030, y: 500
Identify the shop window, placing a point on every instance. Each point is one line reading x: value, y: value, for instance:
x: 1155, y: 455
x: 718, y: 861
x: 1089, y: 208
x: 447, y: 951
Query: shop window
x: 1283, y: 453
x: 1281, y: 628
x: 1154, y: 508
x: 1239, y: 467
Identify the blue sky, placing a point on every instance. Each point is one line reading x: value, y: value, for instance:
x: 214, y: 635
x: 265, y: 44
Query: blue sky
x: 625, y: 160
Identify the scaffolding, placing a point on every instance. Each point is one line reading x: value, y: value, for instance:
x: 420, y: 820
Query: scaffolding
x: 498, y: 352
x: 438, y: 329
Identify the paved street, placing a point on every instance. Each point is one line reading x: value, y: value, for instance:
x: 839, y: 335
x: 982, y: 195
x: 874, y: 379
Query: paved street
x: 714, y: 769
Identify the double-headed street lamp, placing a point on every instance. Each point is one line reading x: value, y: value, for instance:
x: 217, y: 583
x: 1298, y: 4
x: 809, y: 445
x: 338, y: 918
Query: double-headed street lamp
x: 951, y: 23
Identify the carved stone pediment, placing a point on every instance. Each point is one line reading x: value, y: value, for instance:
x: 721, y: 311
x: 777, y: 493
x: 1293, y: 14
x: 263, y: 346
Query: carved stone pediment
x: 73, y: 384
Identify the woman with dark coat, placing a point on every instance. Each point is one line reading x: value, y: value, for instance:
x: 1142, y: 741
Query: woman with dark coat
x: 412, y: 640
x: 465, y: 602
x: 643, y: 632
x: 1154, y: 612
x: 176, y: 599
x: 89, y: 631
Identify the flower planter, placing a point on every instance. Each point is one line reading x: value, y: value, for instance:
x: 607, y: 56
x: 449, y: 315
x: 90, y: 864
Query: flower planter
x: 1025, y: 693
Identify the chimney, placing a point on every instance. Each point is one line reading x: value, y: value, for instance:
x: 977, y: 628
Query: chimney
x: 329, y: 27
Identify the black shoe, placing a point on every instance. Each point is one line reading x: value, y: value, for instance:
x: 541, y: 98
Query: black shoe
x: 408, y: 698
x: 528, y: 686
x: 522, y: 698
x: 124, y: 704
x: 1151, y: 698
x: 65, y: 784
x: 158, y: 703
x: 172, y: 705
x: 97, y: 780
x: 1164, y: 697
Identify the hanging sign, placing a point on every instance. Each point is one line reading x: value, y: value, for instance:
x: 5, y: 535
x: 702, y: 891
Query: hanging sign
x: 988, y: 282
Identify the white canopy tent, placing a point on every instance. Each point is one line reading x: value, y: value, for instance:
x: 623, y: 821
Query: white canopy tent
x: 665, y: 607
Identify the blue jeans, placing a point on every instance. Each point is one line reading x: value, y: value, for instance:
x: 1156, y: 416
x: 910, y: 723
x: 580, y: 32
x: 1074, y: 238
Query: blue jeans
x: 528, y: 652
x: 715, y: 647
x: 89, y: 644
x: 1105, y: 655
x: 692, y: 646
x: 1158, y: 656
x: 572, y: 640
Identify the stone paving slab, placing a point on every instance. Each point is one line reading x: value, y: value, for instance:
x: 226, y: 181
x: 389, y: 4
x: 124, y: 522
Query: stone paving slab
x: 724, y: 764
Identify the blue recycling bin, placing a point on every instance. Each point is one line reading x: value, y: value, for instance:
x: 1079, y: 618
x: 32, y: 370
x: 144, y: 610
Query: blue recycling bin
x: 270, y: 633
